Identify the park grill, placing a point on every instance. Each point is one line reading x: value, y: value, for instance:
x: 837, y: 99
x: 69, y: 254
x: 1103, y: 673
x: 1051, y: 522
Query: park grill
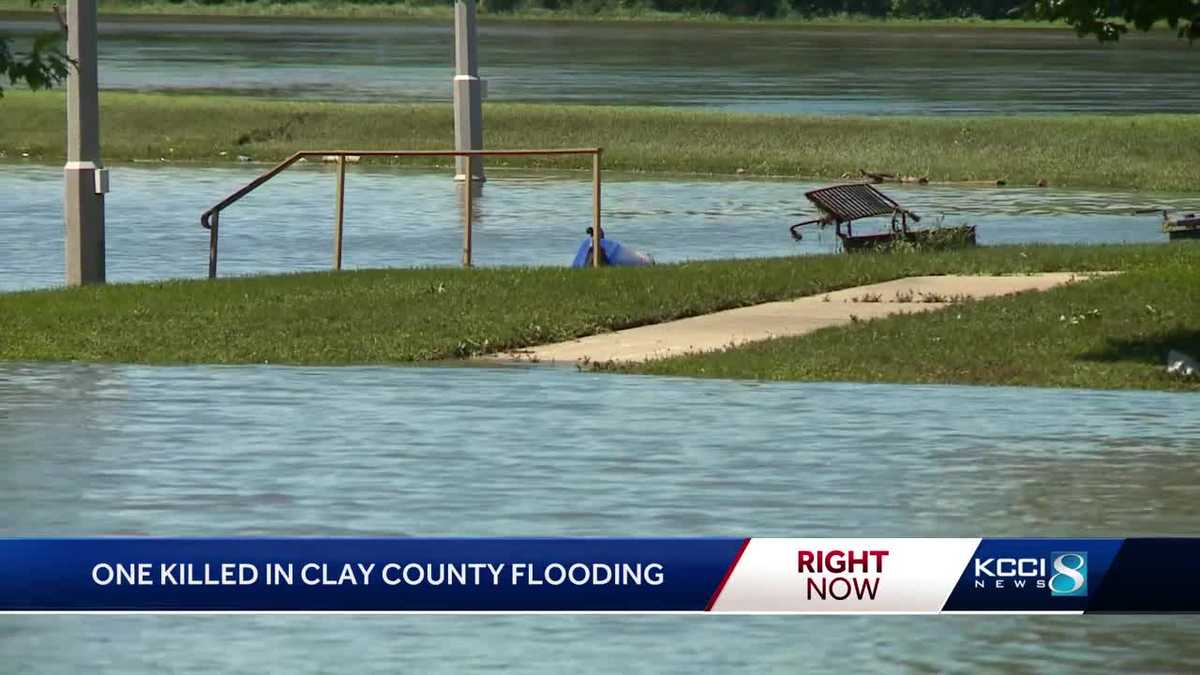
x: 843, y: 204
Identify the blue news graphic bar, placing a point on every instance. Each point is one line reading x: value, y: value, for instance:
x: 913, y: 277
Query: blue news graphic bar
x: 141, y: 574
x: 572, y: 574
x: 1134, y: 575
x: 1033, y: 575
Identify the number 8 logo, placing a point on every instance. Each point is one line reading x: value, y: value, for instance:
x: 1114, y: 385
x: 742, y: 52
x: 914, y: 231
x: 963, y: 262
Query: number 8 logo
x: 1070, y: 574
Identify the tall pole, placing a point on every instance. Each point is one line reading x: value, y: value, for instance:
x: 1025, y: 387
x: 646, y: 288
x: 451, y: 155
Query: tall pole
x: 86, y: 180
x: 468, y: 92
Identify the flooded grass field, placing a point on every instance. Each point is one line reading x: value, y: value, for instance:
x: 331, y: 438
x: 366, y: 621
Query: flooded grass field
x: 537, y: 451
x: 398, y: 218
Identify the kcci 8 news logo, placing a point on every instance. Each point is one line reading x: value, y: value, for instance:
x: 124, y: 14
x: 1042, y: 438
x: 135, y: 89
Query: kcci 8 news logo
x: 1070, y: 573
x: 1065, y: 575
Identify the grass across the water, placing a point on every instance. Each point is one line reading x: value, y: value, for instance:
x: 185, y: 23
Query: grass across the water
x: 1109, y: 333
x: 1136, y: 152
x: 394, y: 316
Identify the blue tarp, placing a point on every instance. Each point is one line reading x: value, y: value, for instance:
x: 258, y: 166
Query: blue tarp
x: 615, y: 254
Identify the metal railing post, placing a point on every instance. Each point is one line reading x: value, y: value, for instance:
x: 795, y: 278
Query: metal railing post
x: 596, y: 208
x: 212, y: 245
x: 210, y: 218
x: 341, y: 205
x: 468, y: 184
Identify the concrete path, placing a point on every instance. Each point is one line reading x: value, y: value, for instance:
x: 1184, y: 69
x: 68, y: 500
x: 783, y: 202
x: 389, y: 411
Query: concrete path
x: 789, y: 317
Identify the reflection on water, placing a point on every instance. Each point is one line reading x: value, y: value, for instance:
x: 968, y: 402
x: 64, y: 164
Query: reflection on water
x: 407, y: 218
x: 835, y: 71
x: 544, y: 451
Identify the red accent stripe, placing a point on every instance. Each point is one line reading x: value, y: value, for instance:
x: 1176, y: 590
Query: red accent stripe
x: 728, y: 573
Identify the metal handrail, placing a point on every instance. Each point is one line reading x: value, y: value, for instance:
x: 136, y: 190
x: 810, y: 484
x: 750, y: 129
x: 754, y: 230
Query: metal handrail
x: 211, y: 218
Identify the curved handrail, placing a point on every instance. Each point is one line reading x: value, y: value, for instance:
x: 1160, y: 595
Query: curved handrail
x: 250, y: 187
x: 295, y: 157
x: 210, y: 219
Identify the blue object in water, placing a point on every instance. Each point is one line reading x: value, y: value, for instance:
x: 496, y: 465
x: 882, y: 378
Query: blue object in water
x: 613, y: 253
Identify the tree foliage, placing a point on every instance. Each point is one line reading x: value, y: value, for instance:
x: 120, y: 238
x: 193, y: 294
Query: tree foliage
x: 42, y: 67
x: 1104, y: 19
x: 1107, y: 20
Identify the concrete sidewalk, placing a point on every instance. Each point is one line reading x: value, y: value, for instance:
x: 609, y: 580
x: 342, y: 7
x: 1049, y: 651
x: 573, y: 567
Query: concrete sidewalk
x: 789, y: 317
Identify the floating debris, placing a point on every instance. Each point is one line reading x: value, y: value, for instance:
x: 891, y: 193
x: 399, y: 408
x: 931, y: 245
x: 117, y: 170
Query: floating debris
x: 1182, y: 365
x: 1181, y: 227
x: 875, y: 176
x: 840, y: 205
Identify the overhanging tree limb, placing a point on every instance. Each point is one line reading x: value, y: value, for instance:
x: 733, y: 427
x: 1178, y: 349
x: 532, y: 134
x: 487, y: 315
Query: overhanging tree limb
x: 42, y: 67
x: 1108, y: 20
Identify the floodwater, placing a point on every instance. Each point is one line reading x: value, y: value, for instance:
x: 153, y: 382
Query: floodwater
x: 249, y: 450
x: 398, y: 218
x: 828, y: 71
x: 537, y: 451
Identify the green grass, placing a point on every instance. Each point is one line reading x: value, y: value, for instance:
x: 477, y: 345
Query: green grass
x: 1139, y: 152
x: 1110, y: 333
x: 417, y: 10
x: 396, y: 316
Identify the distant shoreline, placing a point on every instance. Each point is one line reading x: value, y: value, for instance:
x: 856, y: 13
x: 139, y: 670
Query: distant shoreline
x: 408, y: 12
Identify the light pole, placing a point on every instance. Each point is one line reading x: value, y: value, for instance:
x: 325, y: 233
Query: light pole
x: 468, y: 92
x: 85, y: 179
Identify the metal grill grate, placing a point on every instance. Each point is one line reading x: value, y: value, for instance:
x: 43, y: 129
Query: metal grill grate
x: 844, y: 203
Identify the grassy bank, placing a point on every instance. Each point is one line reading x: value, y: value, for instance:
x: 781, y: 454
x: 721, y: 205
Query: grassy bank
x: 416, y: 10
x: 1140, y: 152
x: 394, y: 316
x: 1109, y: 333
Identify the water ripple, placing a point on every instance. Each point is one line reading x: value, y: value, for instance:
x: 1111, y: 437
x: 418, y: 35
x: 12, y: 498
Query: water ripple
x: 407, y: 218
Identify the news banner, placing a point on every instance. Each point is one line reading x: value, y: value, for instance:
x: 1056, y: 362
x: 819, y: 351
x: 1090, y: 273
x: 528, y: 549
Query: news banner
x: 581, y: 575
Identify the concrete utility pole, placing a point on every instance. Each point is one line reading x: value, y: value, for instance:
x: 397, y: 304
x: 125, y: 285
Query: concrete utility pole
x: 468, y: 92
x: 86, y: 180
